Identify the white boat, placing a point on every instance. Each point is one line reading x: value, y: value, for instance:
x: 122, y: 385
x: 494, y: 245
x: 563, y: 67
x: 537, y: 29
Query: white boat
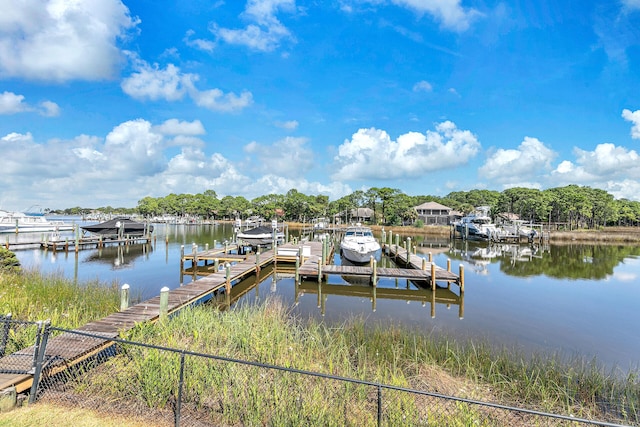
x: 261, y: 235
x: 478, y: 225
x: 18, y: 222
x: 358, y: 244
x: 519, y: 228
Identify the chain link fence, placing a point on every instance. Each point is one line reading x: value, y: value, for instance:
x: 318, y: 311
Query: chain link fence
x: 170, y: 387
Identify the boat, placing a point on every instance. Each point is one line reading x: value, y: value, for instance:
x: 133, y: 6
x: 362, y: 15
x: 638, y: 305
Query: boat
x: 358, y: 244
x: 261, y: 235
x: 19, y: 222
x: 119, y: 227
x: 478, y: 225
x: 518, y: 228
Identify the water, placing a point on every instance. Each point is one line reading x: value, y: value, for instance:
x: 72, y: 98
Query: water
x: 574, y: 300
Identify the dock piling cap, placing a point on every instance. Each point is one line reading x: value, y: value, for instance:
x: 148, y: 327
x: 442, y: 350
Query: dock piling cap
x: 164, y: 289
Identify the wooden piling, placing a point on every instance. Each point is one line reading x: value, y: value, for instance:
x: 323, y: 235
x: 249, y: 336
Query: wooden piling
x: 164, y: 302
x: 461, y: 278
x: 124, y: 297
x: 227, y: 285
x: 433, y: 277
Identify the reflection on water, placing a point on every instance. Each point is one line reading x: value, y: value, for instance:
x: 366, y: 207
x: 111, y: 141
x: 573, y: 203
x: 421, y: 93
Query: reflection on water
x: 572, y: 299
x: 120, y: 256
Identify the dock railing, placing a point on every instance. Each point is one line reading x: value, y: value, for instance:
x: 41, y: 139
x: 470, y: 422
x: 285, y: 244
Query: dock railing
x: 171, y: 386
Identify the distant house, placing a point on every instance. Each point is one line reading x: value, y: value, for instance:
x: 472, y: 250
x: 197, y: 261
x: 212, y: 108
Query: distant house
x: 354, y: 215
x: 506, y: 218
x: 432, y: 213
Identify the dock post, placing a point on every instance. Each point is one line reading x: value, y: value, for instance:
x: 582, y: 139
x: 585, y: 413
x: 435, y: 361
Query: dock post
x: 124, y: 297
x: 449, y: 264
x: 397, y: 244
x: 461, y: 279
x: 215, y: 244
x: 164, y: 302
x: 374, y: 267
x: 6, y: 244
x: 206, y: 247
x: 297, y: 269
x: 433, y: 277
x: 226, y: 247
x: 258, y: 260
x: 408, y: 248
x: 430, y: 257
x: 319, y: 271
x: 181, y: 264
x: 424, y: 264
x: 227, y: 285
x: 216, y: 264
x: 194, y: 249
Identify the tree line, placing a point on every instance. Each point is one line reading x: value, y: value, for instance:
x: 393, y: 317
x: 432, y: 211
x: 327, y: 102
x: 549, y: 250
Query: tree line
x: 573, y: 205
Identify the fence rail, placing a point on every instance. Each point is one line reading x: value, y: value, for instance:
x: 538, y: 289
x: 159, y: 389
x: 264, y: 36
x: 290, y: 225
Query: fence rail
x: 185, y: 388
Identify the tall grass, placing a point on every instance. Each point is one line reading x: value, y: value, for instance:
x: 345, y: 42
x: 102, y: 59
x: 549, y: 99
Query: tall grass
x: 237, y: 394
x: 31, y: 296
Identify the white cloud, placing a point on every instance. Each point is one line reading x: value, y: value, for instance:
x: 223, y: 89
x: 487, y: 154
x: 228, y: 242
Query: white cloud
x: 631, y: 4
x: 57, y: 40
x: 371, y: 154
x: 137, y: 159
x: 509, y: 166
x: 200, y: 44
x: 422, y: 86
x: 288, y: 125
x: 612, y: 168
x: 151, y: 82
x: 449, y: 13
x: 289, y: 157
x: 49, y: 109
x: 170, y: 84
x: 265, y: 32
x: 633, y: 117
x: 177, y: 127
x: 216, y: 100
x: 10, y: 103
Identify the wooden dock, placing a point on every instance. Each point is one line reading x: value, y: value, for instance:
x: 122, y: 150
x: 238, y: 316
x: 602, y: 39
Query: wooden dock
x: 218, y: 270
x: 443, y: 296
x: 73, y: 244
x: 68, y: 349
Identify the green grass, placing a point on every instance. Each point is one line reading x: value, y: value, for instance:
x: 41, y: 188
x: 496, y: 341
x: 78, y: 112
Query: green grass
x: 30, y: 296
x: 232, y: 394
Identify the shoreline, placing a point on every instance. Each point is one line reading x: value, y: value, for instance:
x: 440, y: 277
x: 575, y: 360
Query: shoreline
x: 604, y: 235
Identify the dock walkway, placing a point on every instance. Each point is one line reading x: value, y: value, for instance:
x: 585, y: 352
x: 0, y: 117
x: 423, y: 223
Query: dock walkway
x: 67, y: 349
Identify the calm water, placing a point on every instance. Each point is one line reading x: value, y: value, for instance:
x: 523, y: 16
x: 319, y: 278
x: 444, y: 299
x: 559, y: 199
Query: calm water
x: 576, y: 300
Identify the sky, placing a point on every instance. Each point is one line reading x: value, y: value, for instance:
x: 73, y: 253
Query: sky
x: 105, y: 103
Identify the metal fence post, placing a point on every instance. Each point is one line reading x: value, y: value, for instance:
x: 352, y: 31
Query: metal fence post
x: 379, y: 405
x: 5, y: 333
x: 39, y: 353
x: 180, y: 385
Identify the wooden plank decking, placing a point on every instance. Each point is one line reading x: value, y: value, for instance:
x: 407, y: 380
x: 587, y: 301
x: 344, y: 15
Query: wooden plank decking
x: 68, y: 349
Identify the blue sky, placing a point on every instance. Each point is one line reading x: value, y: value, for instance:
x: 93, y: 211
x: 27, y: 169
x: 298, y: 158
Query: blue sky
x: 104, y: 103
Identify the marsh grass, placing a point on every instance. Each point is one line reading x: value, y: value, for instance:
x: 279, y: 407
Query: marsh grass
x: 30, y: 296
x: 230, y: 394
